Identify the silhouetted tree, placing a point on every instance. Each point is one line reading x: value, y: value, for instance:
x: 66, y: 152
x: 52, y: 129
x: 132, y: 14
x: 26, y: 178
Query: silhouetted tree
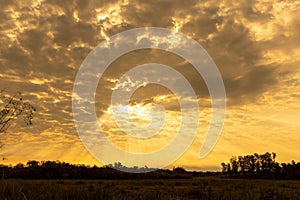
x: 241, y: 163
x: 261, y: 165
x: 32, y: 163
x: 224, y: 167
x: 257, y: 162
x: 234, y: 164
x: 251, y: 163
x: 229, y: 168
x: 12, y: 107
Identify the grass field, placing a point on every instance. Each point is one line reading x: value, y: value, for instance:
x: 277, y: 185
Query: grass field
x: 196, y: 188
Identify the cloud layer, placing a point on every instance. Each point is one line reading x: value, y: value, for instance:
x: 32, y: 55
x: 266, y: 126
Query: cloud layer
x: 255, y: 45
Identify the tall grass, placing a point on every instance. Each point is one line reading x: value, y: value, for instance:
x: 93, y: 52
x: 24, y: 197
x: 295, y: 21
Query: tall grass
x: 197, y: 188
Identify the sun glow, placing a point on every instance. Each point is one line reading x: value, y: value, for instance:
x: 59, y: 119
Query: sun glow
x: 140, y: 116
x: 138, y: 113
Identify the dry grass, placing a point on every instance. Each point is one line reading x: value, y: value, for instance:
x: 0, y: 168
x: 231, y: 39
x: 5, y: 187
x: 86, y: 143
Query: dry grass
x: 197, y: 188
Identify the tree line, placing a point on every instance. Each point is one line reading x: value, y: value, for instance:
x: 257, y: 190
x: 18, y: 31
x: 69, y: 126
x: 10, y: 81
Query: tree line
x: 248, y: 166
x: 260, y: 166
x: 62, y: 170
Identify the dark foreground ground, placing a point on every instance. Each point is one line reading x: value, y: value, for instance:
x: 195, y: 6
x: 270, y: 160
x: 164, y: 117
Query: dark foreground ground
x: 196, y: 188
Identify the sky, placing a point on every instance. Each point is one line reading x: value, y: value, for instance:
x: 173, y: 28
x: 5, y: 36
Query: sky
x: 255, y: 45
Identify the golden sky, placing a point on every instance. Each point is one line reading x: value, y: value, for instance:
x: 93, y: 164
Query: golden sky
x: 255, y: 45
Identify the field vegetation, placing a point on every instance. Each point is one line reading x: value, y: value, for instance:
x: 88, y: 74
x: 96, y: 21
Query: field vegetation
x: 194, y: 188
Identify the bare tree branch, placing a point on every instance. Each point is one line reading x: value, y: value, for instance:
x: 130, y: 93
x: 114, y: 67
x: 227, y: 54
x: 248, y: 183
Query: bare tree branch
x: 13, y: 107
